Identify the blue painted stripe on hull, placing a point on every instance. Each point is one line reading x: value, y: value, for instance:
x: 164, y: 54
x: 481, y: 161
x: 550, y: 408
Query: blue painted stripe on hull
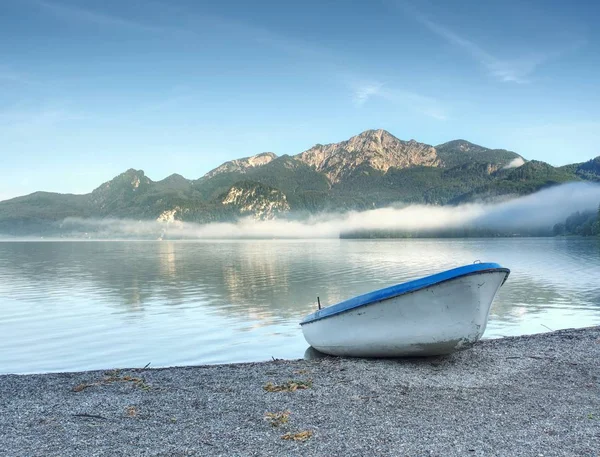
x: 403, y: 288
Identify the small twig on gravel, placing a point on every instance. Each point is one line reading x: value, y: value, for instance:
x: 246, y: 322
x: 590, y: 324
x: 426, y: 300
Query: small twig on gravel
x: 83, y: 386
x: 289, y: 386
x: 300, y: 436
x: 537, y: 357
x: 92, y: 416
x: 111, y: 377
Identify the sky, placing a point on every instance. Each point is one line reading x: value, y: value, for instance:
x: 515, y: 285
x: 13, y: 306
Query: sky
x: 89, y: 89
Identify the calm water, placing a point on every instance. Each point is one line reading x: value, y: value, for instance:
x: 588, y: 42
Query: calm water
x: 85, y: 305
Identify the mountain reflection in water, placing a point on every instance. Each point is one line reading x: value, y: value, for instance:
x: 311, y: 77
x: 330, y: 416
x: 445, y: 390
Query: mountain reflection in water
x: 83, y: 305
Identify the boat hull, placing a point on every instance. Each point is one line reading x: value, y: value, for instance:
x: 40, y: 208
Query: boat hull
x: 435, y: 320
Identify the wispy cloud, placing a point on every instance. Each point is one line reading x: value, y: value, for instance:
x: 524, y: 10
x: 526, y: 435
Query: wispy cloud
x: 26, y: 121
x: 189, y: 23
x: 9, y: 75
x: 514, y: 163
x: 503, y: 70
x: 82, y: 16
x: 362, y: 92
x: 74, y: 13
x: 517, y: 70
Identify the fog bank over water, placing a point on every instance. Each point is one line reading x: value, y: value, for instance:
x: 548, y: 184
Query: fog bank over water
x: 540, y: 210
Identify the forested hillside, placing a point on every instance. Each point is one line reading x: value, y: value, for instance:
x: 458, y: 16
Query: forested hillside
x: 371, y: 170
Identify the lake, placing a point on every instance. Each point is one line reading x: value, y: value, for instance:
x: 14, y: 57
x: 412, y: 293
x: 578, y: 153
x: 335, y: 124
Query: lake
x: 70, y: 306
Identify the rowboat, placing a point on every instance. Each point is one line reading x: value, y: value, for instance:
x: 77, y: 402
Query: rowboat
x: 434, y: 315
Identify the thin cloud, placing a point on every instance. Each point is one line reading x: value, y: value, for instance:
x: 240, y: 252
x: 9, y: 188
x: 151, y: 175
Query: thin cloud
x: 192, y: 22
x: 81, y: 15
x: 428, y: 106
x: 505, y: 71
x: 516, y: 70
x: 21, y: 121
x: 362, y: 92
x: 514, y: 163
x: 9, y: 75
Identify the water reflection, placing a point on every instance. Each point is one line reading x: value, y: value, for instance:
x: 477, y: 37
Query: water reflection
x: 195, y: 302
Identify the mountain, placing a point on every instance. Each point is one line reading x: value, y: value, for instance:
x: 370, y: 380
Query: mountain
x: 528, y: 178
x: 460, y: 152
x: 242, y: 165
x: 40, y: 212
x: 174, y: 182
x: 255, y: 199
x: 369, y: 170
x: 120, y: 193
x: 375, y: 149
x: 589, y: 170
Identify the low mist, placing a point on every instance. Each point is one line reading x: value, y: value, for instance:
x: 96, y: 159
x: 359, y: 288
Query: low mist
x: 536, y: 211
x: 514, y: 163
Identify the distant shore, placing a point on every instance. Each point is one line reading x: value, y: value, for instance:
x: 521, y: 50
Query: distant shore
x: 342, y: 236
x: 533, y: 395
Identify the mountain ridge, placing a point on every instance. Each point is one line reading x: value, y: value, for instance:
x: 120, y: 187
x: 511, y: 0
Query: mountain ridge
x: 369, y: 170
x: 377, y: 149
x: 243, y: 164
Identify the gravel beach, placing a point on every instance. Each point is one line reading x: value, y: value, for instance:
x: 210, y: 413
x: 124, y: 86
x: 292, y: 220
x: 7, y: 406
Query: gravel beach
x: 524, y: 396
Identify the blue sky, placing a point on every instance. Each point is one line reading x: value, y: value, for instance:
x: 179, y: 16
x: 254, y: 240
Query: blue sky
x: 89, y: 89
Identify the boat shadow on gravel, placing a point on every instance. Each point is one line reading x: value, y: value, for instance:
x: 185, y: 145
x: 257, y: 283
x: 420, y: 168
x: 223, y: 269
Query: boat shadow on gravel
x: 312, y: 354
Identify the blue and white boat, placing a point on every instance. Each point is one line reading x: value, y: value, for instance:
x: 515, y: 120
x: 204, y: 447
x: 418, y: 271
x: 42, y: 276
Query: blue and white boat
x: 434, y: 315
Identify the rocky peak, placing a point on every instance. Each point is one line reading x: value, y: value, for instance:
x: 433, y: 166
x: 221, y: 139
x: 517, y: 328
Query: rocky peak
x: 242, y: 165
x: 124, y: 186
x: 378, y: 149
x: 131, y: 178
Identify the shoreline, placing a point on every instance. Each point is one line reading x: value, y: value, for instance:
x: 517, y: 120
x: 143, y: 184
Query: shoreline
x: 526, y: 395
x: 43, y: 238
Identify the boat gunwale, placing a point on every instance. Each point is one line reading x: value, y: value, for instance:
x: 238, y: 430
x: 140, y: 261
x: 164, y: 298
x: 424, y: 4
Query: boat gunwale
x: 489, y: 268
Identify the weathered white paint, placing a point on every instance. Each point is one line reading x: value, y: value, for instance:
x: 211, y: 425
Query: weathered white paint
x: 439, y: 319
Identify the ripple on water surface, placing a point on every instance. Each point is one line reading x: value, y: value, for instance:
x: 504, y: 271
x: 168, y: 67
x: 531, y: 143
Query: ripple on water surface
x: 85, y: 305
